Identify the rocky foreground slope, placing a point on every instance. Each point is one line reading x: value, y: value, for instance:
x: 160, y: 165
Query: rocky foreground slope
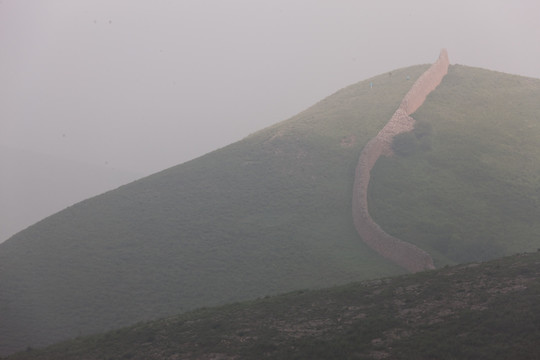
x: 473, y: 311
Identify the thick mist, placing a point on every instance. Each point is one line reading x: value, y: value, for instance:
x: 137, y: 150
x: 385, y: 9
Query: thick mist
x: 132, y: 87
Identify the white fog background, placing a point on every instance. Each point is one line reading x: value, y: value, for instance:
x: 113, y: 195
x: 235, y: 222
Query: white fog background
x: 94, y: 94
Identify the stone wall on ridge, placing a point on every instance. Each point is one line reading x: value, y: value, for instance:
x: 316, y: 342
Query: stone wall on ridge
x: 406, y: 255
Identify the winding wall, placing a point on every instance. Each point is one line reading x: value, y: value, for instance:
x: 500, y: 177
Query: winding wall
x: 400, y: 252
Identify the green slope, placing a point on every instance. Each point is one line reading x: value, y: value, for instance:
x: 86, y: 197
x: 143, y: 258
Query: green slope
x: 475, y: 311
x: 272, y: 213
x: 474, y: 192
x: 268, y: 214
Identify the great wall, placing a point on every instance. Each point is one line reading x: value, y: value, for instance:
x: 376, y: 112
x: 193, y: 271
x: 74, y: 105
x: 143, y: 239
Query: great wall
x: 406, y: 255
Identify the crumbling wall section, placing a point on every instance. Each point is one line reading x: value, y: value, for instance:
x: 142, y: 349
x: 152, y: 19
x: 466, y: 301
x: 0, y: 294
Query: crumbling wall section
x: 406, y: 255
x: 425, y: 84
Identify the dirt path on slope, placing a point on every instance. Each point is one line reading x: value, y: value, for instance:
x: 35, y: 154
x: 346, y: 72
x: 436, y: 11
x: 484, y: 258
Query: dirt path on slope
x: 406, y: 255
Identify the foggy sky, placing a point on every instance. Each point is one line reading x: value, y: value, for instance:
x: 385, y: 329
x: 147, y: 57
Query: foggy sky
x: 143, y: 85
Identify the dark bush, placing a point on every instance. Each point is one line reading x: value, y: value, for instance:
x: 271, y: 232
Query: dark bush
x: 422, y: 129
x: 405, y: 144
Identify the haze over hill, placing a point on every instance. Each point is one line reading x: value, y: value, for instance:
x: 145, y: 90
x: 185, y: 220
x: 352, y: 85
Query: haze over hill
x: 144, y: 86
x: 272, y: 213
x: 139, y: 84
x: 34, y: 186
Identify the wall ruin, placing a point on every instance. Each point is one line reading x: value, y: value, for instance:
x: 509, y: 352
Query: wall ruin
x: 406, y: 255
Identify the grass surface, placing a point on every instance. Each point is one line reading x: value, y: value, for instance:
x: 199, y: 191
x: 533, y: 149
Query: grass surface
x: 474, y: 192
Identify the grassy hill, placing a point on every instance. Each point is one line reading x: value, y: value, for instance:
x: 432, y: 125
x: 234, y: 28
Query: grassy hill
x: 269, y: 214
x: 272, y: 213
x: 473, y: 193
x: 474, y: 311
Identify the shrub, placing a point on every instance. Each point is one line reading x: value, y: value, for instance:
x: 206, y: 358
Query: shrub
x: 405, y: 144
